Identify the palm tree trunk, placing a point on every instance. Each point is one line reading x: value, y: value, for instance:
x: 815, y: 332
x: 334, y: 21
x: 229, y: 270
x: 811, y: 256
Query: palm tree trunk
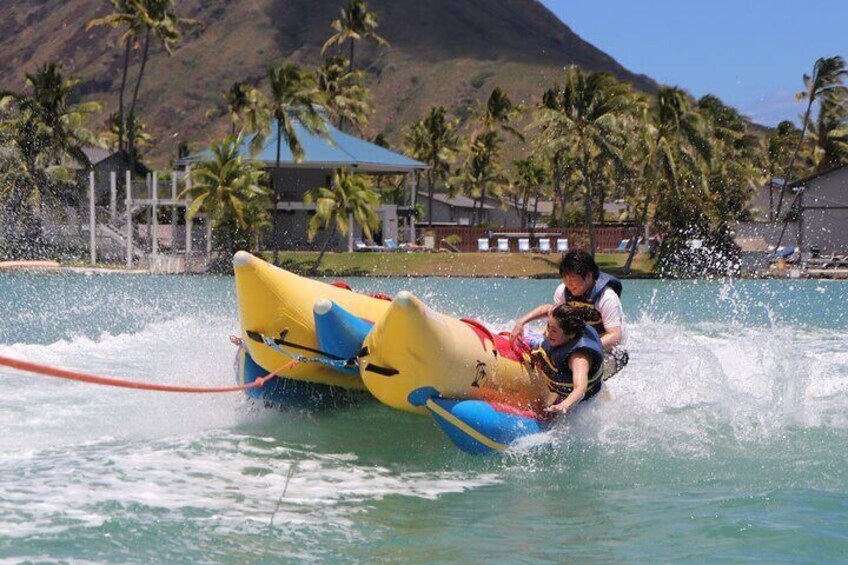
x: 482, y: 202
x: 350, y: 70
x: 131, y: 118
x: 276, y: 198
x: 587, y: 201
x: 771, y: 194
x: 558, y: 192
x: 431, y: 181
x: 602, y: 196
x: 121, y: 123
x: 332, y: 234
x: 794, y: 156
x: 535, y: 215
x: 628, y: 264
x: 525, y: 200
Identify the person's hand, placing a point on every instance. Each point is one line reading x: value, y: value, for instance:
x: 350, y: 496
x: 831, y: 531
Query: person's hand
x: 516, y: 332
x: 556, y: 409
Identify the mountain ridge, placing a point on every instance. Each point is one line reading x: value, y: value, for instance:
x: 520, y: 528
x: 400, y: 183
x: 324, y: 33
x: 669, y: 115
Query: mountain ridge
x: 446, y: 52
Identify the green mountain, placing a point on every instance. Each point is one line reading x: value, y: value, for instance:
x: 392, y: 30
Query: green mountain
x: 448, y: 52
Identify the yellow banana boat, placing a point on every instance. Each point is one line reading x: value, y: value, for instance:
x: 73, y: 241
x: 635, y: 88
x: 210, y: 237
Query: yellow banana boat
x: 273, y: 302
x: 406, y: 355
x: 459, y: 359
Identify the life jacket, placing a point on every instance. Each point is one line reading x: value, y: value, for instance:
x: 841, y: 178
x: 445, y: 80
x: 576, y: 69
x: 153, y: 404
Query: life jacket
x: 589, y: 301
x: 552, y: 362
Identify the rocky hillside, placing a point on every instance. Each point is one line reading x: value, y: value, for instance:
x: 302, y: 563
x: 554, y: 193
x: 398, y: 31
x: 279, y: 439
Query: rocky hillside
x: 449, y: 52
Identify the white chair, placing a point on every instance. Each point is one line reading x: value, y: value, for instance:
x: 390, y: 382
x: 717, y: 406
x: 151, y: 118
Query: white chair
x: 523, y: 245
x: 562, y: 245
x: 483, y: 244
x: 545, y: 245
x: 503, y: 245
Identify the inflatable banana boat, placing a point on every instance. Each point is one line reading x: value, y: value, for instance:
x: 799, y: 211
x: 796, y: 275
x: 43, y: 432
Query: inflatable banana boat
x: 346, y: 345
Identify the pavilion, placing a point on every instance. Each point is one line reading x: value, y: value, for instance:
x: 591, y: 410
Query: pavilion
x: 323, y: 155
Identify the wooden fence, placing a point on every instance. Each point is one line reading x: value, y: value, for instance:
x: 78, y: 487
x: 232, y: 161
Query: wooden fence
x: 606, y: 238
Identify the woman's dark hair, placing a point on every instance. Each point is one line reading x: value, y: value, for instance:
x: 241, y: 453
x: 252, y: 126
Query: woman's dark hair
x: 569, y: 319
x: 578, y: 262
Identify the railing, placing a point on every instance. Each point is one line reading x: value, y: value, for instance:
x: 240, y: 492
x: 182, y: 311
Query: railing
x: 606, y: 238
x: 142, y: 189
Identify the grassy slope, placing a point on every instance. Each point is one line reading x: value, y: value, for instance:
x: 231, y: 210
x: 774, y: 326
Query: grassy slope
x: 449, y: 264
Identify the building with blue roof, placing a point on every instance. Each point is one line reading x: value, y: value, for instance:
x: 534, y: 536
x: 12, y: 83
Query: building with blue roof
x: 324, y: 154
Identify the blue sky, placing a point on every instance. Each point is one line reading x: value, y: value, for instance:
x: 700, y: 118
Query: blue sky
x: 750, y: 53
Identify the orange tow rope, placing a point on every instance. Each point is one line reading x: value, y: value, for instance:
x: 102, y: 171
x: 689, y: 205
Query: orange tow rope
x: 108, y: 381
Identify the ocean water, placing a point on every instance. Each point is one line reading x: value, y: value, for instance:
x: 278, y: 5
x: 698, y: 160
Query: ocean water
x: 724, y: 440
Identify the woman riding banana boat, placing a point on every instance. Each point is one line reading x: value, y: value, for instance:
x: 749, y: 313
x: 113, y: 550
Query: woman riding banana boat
x: 326, y: 343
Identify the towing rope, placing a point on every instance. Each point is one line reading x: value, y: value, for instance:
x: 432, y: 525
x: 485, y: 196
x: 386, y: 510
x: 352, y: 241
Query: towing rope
x: 48, y: 371
x: 328, y: 359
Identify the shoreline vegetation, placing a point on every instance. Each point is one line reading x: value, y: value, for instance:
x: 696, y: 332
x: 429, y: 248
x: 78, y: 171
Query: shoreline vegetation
x: 441, y: 265
x: 399, y: 264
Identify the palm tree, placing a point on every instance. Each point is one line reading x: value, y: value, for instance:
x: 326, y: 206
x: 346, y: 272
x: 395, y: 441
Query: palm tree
x: 553, y: 148
x: 126, y: 15
x: 143, y: 139
x: 65, y: 121
x: 480, y: 176
x: 254, y: 118
x: 349, y: 197
x: 736, y: 167
x: 779, y: 144
x: 530, y: 179
x: 434, y: 141
x: 588, y: 113
x: 356, y: 23
x: 140, y: 18
x: 294, y: 99
x: 674, y: 142
x: 824, y: 84
x: 47, y: 127
x: 500, y: 112
x: 830, y: 132
x: 41, y: 127
x: 346, y: 97
x: 158, y: 19
x: 238, y: 101
x: 228, y: 189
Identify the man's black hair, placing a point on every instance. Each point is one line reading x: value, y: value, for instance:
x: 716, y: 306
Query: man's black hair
x: 578, y: 262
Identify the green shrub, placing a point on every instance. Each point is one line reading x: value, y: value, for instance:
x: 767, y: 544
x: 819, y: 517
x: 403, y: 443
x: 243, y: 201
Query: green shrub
x: 454, y: 239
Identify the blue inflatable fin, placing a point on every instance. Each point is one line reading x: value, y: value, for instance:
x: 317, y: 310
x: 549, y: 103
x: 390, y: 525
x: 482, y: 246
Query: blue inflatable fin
x: 339, y: 332
x: 476, y: 426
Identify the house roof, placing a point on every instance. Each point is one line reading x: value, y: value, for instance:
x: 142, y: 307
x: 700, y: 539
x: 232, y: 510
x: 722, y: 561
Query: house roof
x: 456, y: 201
x: 336, y: 150
x: 545, y: 207
x: 799, y: 182
x: 97, y: 154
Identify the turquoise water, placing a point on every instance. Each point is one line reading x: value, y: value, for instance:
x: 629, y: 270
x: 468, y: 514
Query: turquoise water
x: 724, y: 440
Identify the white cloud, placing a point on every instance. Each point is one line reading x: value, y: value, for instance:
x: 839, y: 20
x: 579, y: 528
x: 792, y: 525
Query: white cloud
x: 773, y: 108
